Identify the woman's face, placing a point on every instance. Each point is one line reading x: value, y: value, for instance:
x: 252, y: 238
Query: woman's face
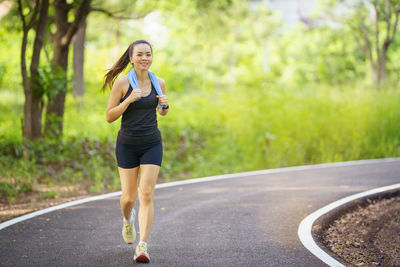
x: 142, y: 56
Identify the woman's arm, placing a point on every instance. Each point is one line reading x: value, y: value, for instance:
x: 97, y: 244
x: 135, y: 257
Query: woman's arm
x: 115, y: 108
x: 162, y: 100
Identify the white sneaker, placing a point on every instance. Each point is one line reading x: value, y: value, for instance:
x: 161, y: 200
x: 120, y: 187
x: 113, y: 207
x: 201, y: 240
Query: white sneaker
x: 141, y: 254
x: 128, y: 230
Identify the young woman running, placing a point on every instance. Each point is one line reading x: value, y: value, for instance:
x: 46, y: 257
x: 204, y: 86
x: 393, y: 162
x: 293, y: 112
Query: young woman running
x: 136, y: 97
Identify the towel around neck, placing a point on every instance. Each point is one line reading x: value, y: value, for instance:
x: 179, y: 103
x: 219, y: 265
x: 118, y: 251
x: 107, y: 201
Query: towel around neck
x: 133, y: 81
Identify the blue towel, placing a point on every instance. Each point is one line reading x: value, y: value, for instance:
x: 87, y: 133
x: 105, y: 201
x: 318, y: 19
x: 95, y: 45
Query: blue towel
x: 135, y: 85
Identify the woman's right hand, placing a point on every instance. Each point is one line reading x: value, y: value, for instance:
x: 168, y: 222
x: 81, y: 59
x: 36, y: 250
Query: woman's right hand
x: 135, y: 94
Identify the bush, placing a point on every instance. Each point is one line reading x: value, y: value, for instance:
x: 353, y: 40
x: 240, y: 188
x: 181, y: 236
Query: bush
x: 88, y: 162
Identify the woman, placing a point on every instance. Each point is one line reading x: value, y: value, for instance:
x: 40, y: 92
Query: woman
x: 136, y: 97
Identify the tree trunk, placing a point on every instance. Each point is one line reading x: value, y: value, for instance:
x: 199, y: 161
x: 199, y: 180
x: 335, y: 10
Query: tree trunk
x: 382, y: 68
x: 32, y: 125
x: 27, y: 123
x: 55, y: 107
x: 79, y: 49
x: 64, y: 34
x: 33, y: 106
x: 379, y: 71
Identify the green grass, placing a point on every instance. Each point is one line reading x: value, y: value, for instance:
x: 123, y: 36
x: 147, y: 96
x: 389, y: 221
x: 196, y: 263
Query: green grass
x: 275, y: 127
x: 208, y: 133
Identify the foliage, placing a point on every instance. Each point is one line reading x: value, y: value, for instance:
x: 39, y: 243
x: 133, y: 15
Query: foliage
x: 277, y: 127
x: 10, y: 70
x: 282, y: 127
x: 215, y: 58
x: 81, y: 161
x: 229, y: 111
x: 51, y: 81
x: 374, y: 26
x: 299, y: 56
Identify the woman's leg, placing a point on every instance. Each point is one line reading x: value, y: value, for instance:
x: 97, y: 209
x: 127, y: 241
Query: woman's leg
x: 128, y: 179
x: 148, y: 179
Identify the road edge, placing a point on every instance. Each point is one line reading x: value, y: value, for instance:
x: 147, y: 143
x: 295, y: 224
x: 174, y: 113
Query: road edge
x: 28, y: 216
x: 305, y: 228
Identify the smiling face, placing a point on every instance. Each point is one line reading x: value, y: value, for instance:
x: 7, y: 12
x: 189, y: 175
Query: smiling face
x: 142, y: 57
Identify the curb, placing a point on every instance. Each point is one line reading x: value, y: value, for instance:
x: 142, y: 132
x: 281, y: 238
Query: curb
x: 323, y: 222
x: 311, y: 228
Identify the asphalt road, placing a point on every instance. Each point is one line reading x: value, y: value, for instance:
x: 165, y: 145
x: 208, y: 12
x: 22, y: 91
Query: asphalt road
x: 243, y: 221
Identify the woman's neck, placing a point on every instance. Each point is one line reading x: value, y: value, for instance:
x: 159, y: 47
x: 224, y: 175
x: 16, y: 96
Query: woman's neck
x: 142, y: 75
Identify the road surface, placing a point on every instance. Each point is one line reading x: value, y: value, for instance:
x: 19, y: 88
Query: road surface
x: 241, y: 221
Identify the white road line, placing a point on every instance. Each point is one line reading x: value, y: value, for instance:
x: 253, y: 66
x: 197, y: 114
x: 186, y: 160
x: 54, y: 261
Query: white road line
x: 57, y: 207
x: 198, y: 180
x: 305, y: 227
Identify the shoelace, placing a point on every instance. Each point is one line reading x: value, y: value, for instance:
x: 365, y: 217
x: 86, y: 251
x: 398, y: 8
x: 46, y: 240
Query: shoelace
x: 142, y: 248
x: 129, y: 229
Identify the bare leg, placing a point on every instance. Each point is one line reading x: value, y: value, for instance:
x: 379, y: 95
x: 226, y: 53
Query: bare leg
x: 148, y: 179
x: 128, y: 179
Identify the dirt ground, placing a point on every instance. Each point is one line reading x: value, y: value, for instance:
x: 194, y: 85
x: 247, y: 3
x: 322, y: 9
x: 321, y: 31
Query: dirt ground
x: 368, y: 236
x: 42, y: 197
x: 32, y: 203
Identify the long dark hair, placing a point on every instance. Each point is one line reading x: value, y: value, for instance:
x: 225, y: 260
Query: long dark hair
x: 121, y: 64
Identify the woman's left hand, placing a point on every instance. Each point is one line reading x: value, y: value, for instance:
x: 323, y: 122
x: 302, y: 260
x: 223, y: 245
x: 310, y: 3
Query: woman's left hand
x: 163, y: 100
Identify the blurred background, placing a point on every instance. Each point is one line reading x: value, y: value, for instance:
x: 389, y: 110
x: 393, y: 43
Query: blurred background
x: 252, y: 85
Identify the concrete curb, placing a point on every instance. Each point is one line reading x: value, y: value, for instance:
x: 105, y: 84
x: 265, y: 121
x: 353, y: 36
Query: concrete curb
x: 313, y: 225
x: 323, y: 222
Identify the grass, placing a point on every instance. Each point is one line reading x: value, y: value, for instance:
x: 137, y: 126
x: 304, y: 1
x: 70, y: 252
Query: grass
x: 207, y: 133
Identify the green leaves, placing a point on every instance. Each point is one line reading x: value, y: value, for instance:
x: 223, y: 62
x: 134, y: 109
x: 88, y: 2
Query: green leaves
x: 51, y: 81
x: 83, y: 162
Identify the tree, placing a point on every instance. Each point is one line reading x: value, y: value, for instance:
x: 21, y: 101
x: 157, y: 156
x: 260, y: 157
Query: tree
x: 68, y: 17
x: 40, y: 83
x: 61, y: 40
x: 79, y: 59
x: 374, y: 23
x: 35, y: 15
x: 386, y: 13
x: 35, y: 19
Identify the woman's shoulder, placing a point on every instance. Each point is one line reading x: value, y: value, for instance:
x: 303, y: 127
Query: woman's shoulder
x: 121, y: 85
x: 162, y: 84
x: 122, y: 81
x: 161, y: 81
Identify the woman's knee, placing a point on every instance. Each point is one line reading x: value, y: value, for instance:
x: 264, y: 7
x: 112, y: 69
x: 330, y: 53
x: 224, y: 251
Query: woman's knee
x: 146, y: 194
x: 128, y: 200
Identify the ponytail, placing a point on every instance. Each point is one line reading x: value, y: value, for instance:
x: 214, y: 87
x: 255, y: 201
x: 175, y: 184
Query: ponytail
x: 116, y: 69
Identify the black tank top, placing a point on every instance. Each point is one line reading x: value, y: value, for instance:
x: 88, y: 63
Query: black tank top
x: 139, y: 120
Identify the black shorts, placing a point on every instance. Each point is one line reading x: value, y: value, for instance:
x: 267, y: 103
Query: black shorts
x: 131, y: 156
